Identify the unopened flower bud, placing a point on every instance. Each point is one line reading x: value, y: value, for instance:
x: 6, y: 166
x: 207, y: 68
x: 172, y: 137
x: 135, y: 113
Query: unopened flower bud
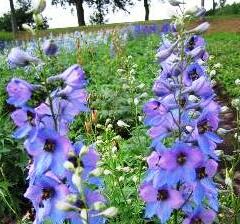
x: 64, y: 206
x: 224, y: 109
x: 110, y: 212
x: 108, y: 121
x: 97, y: 172
x: 107, y: 172
x: 38, y: 19
x: 136, y: 101
x: 222, y: 131
x: 50, y: 48
x: 84, y: 150
x: 27, y: 28
x: 200, y: 29
x: 98, y: 206
x: 121, y: 123
x: 72, y: 198
x: 175, y: 2
x: 162, y: 55
x: 69, y: 166
x: 114, y: 149
x: 212, y: 73
x: 39, y: 6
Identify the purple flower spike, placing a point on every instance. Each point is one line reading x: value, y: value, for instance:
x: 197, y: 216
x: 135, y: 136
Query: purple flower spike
x: 200, y: 215
x: 50, y: 48
x: 45, y: 193
x: 49, y: 151
x: 180, y: 163
x: 20, y: 58
x: 161, y: 201
x: 19, y: 92
x: 73, y: 76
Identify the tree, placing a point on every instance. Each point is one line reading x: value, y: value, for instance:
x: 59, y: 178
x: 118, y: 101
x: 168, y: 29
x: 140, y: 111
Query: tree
x: 22, y: 15
x: 101, y: 7
x: 222, y: 3
x: 214, y: 6
x: 146, y: 6
x: 13, y: 17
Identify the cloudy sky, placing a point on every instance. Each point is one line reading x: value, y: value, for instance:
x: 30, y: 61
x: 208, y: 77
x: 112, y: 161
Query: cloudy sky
x: 59, y: 17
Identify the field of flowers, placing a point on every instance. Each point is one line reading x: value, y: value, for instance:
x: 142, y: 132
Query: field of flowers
x: 104, y: 120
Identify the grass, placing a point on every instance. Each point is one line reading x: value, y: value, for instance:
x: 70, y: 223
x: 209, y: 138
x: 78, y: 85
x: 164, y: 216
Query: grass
x: 224, y: 47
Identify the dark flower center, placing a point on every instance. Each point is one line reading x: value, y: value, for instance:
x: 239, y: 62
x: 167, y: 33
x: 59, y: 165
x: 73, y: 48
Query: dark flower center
x: 193, y: 75
x: 31, y: 116
x: 64, y: 96
x: 49, y: 145
x: 162, y: 195
x: 47, y: 193
x: 156, y: 105
x: 203, y: 126
x: 182, y: 102
x: 81, y: 164
x: 196, y: 221
x: 181, y: 158
x: 191, y: 43
x: 80, y: 204
x: 73, y: 160
x: 201, y: 172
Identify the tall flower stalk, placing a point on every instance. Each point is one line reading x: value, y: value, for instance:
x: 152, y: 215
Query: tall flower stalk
x: 63, y: 176
x: 183, y: 118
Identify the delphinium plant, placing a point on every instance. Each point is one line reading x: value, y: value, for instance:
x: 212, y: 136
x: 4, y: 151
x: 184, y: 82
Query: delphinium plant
x: 63, y: 186
x: 183, y: 117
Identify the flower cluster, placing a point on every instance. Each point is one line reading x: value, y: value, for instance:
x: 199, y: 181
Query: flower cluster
x: 183, y: 119
x: 62, y: 185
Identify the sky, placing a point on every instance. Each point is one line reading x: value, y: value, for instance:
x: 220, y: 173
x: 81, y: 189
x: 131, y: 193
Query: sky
x: 59, y: 17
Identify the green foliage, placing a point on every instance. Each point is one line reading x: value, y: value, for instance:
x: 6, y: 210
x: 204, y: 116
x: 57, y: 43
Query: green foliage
x: 224, y: 47
x: 233, y: 9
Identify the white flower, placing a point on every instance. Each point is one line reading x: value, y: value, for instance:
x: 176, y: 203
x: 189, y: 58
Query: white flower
x: 135, y: 179
x: 136, y: 101
x: 237, y: 82
x: 107, y: 172
x: 110, y: 212
x: 224, y: 109
x: 213, y: 83
x: 140, y: 118
x: 108, y: 121
x: 193, y: 98
x: 114, y: 149
x: 126, y: 169
x: 143, y: 95
x: 121, y: 123
x: 141, y: 86
x: 218, y: 65
x: 212, y: 73
x: 235, y: 103
x: 121, y: 178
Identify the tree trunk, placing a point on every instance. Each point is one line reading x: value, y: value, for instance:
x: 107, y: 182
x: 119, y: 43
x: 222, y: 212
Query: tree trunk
x: 202, y: 3
x: 146, y: 6
x: 214, y: 6
x: 13, y: 17
x: 80, y: 12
